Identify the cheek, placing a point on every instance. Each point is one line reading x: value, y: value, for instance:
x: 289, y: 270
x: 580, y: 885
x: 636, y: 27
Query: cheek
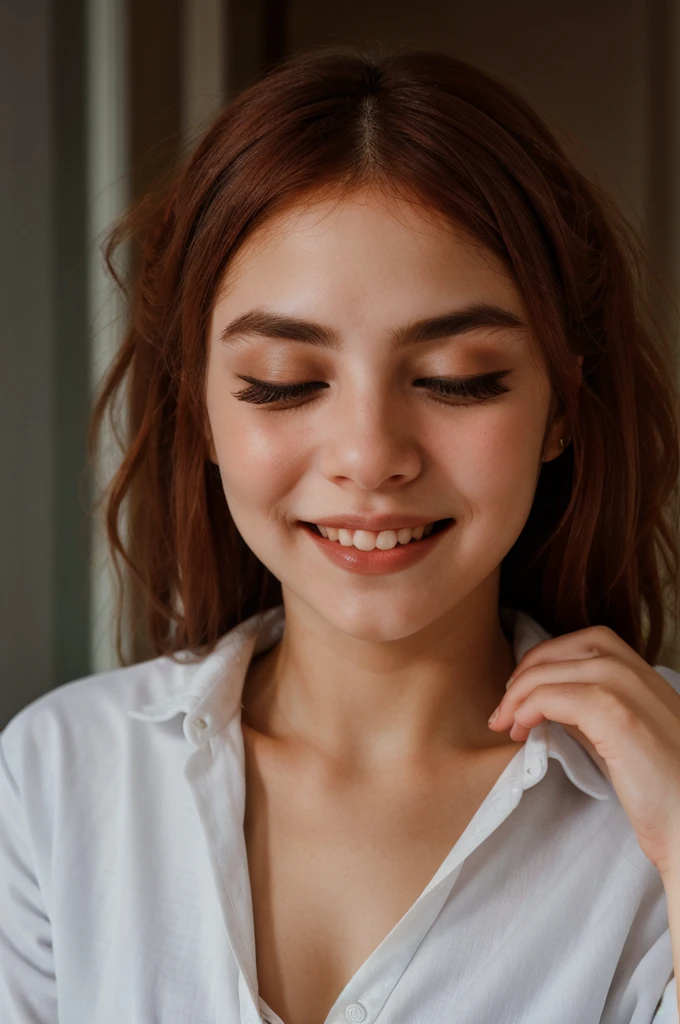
x: 258, y: 470
x: 492, y: 459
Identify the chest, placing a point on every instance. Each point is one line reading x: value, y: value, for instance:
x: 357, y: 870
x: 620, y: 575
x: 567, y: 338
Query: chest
x: 334, y: 865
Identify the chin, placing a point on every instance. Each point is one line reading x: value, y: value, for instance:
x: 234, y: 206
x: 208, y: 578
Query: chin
x: 377, y: 618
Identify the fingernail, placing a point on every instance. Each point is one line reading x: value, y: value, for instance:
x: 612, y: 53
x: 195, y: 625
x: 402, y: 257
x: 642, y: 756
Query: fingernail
x: 494, y: 716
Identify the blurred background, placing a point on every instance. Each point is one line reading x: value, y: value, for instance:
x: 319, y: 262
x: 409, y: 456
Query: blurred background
x: 98, y: 98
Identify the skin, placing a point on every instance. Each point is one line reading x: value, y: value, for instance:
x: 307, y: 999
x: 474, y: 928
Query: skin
x: 392, y: 673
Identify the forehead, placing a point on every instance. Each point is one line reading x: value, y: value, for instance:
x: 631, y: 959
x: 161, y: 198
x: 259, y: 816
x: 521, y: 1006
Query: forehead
x: 364, y: 241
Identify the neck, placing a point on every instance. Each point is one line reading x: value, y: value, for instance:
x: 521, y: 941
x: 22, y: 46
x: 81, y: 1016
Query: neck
x: 382, y: 705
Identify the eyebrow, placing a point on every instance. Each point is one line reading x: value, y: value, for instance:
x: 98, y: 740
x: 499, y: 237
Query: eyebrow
x: 265, y: 324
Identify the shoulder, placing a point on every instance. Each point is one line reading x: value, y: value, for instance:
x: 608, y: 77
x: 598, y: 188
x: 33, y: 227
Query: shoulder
x: 83, y: 717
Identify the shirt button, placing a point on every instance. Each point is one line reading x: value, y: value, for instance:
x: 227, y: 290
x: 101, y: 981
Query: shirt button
x: 200, y: 723
x: 355, y: 1011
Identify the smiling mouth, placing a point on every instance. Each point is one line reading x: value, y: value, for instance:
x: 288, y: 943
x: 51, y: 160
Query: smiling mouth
x: 437, y: 527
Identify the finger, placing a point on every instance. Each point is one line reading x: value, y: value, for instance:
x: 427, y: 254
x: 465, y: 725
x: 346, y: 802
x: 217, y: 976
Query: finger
x: 592, y: 642
x: 596, y: 719
x: 520, y: 734
x: 606, y: 672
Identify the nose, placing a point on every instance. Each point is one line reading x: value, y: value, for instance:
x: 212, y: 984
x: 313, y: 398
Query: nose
x: 370, y: 442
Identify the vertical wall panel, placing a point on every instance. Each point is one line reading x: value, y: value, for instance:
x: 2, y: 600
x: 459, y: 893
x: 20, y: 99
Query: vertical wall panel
x: 26, y: 412
x: 204, y: 64
x: 107, y: 194
x: 71, y: 363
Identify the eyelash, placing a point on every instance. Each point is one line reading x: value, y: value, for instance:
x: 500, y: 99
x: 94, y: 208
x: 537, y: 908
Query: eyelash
x: 480, y: 388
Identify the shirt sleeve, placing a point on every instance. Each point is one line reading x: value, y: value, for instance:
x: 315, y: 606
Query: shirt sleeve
x: 667, y: 1010
x: 27, y: 978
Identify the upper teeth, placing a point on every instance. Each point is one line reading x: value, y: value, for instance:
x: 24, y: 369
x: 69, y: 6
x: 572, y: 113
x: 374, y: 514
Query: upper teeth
x: 367, y: 540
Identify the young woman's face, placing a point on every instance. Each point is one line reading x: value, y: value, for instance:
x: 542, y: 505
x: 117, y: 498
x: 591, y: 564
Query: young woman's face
x: 330, y: 294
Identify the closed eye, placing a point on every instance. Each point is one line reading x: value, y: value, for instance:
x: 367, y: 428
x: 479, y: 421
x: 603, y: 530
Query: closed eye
x: 477, y: 388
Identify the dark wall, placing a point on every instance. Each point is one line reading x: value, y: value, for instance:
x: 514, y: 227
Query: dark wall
x: 44, y: 583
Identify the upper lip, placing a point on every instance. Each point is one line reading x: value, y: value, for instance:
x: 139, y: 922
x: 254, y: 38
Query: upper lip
x: 375, y: 524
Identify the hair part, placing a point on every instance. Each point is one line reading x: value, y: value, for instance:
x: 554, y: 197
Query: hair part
x: 600, y: 545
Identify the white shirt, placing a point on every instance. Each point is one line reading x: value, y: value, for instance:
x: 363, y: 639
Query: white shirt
x: 125, y: 894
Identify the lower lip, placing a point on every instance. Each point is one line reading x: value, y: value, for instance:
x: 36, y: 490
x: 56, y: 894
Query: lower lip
x: 372, y: 563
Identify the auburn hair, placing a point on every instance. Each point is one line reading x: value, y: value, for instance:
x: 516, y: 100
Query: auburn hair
x: 600, y: 545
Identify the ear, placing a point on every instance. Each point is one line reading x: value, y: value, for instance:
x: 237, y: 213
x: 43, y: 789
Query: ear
x: 553, y: 448
x: 560, y: 428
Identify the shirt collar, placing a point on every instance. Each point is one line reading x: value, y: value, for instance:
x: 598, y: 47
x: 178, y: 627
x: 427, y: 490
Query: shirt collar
x: 208, y: 692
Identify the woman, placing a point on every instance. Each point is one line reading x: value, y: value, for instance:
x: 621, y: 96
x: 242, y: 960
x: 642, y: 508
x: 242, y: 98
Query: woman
x: 400, y: 439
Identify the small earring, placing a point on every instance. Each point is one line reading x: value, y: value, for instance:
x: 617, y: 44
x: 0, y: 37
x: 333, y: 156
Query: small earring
x: 564, y: 441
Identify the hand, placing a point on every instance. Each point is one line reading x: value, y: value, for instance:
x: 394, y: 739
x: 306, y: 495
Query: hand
x: 622, y: 711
